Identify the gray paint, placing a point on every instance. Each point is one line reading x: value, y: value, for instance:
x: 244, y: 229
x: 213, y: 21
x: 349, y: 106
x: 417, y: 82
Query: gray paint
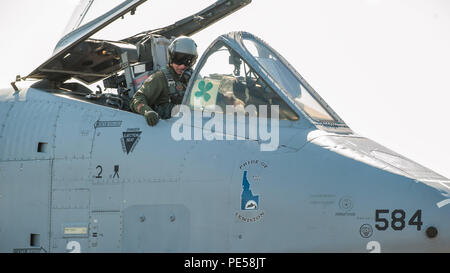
x: 87, y: 190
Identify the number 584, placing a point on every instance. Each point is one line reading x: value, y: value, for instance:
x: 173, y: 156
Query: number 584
x: 397, y: 218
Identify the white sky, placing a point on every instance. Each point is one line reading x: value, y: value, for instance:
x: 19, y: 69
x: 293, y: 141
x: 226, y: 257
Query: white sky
x: 382, y: 65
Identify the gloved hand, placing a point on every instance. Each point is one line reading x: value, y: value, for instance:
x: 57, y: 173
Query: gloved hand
x: 152, y: 117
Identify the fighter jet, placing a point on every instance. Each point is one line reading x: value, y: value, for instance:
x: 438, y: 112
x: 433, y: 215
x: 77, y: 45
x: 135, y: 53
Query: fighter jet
x: 254, y: 160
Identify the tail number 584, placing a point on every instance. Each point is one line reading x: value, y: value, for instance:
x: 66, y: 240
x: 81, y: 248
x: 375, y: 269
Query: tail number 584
x: 397, y: 219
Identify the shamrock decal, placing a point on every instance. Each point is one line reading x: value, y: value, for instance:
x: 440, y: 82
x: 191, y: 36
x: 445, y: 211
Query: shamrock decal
x: 204, y: 90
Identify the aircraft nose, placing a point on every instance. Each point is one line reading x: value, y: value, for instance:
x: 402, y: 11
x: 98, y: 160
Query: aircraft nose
x: 404, y: 214
x: 365, y: 194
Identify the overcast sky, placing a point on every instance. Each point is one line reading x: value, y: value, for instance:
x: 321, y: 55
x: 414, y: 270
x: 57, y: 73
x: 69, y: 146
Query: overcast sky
x: 382, y: 65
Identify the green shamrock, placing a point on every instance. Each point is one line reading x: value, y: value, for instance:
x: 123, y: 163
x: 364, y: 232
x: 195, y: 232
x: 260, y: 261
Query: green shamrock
x: 203, y: 90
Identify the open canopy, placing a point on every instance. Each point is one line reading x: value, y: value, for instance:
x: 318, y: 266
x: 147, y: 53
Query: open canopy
x: 90, y: 60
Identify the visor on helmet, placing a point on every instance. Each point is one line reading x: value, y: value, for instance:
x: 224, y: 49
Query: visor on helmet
x: 182, y: 58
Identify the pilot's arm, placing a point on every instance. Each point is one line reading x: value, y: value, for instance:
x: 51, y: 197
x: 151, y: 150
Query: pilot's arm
x: 149, y: 94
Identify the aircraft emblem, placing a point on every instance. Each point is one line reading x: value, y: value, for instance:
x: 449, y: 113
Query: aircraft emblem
x: 130, y: 139
x: 250, y: 206
x: 204, y: 88
x: 248, y: 200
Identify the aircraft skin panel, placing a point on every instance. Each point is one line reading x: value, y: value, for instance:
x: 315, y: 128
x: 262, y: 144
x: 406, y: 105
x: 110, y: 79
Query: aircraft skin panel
x: 24, y: 206
x: 106, y: 231
x: 209, y: 170
x: 76, y: 129
x: 71, y: 173
x: 106, y: 197
x: 4, y: 114
x: 70, y: 220
x: 28, y: 140
x: 169, y: 223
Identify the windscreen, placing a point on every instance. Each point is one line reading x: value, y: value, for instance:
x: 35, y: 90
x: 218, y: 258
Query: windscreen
x: 281, y: 74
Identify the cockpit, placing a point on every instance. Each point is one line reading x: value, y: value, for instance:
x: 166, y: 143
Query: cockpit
x: 225, y: 79
x: 238, y: 69
x: 241, y: 70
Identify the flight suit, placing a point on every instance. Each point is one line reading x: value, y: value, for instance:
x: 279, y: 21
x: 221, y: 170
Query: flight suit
x: 160, y: 92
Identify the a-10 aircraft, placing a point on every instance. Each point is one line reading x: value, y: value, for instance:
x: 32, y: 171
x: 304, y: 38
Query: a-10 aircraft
x: 281, y: 172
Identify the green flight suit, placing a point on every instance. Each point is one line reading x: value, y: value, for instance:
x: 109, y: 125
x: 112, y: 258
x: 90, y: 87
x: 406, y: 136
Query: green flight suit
x: 156, y: 94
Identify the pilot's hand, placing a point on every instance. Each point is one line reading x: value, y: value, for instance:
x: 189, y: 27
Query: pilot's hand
x: 152, y: 117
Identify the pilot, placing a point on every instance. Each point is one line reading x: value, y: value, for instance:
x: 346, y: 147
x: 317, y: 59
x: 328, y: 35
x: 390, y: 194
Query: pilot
x: 165, y: 88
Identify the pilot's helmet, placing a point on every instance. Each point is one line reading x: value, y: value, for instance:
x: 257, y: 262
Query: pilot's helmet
x: 183, y: 50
